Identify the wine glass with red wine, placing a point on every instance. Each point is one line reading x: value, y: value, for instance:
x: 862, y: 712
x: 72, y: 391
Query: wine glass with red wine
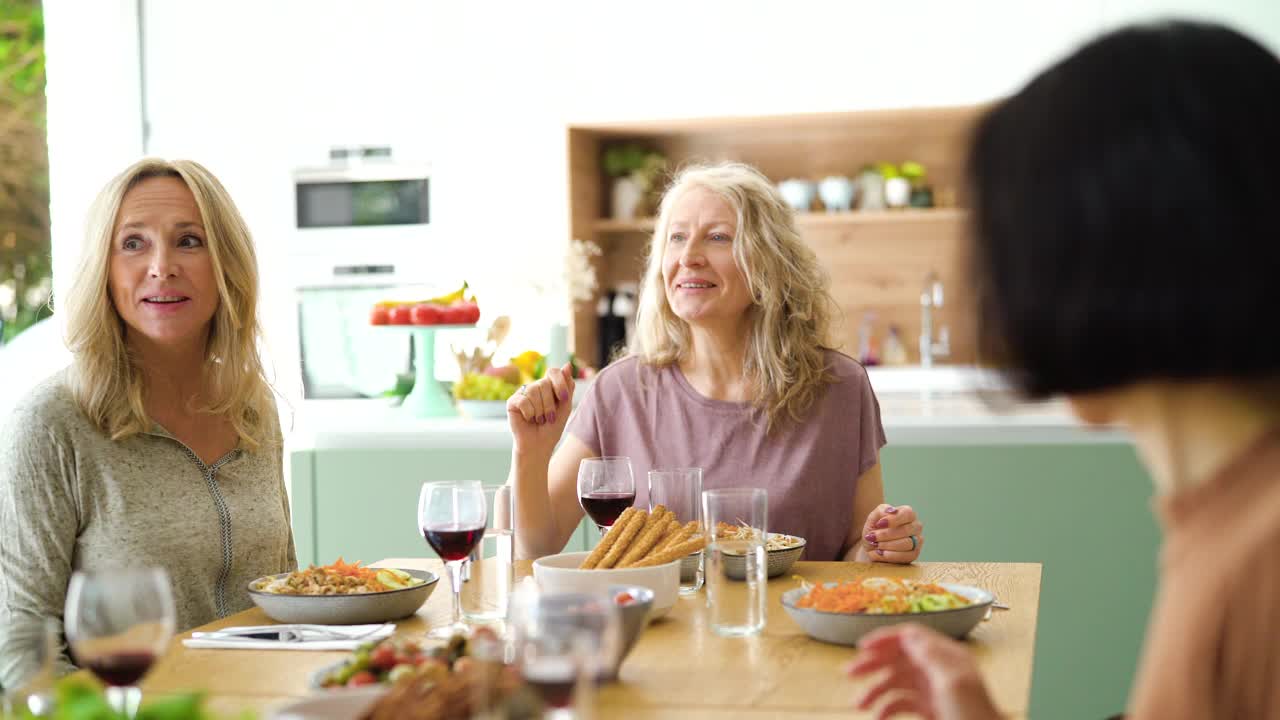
x: 452, y: 517
x: 606, y: 487
x: 118, y: 623
x: 563, y: 642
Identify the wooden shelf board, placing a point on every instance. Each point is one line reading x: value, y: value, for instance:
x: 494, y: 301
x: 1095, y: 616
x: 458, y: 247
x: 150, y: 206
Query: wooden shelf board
x: 812, y: 219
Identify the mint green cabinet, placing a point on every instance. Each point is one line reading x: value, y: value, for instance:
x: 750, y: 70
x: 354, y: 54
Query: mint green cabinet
x: 363, y: 504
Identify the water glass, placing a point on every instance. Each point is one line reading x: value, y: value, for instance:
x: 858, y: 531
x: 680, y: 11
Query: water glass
x: 118, y: 623
x: 680, y: 491
x: 736, y: 532
x: 490, y: 572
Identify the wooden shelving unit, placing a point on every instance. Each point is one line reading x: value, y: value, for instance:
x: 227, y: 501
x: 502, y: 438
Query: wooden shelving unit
x: 877, y: 260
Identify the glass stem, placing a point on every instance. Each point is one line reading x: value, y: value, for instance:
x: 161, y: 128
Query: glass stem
x: 124, y: 700
x: 455, y: 574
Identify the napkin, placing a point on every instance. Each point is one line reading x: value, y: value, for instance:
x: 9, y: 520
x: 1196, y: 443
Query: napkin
x: 313, y: 637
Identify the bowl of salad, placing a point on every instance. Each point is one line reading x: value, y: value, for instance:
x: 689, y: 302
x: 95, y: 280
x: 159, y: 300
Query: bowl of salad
x: 841, y: 613
x: 382, y: 663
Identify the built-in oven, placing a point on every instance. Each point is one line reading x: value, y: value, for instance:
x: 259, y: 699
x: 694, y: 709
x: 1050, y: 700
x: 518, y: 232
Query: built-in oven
x: 363, y: 230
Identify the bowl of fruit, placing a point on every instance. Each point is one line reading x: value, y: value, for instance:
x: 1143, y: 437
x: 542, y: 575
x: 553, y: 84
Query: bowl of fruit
x: 484, y: 394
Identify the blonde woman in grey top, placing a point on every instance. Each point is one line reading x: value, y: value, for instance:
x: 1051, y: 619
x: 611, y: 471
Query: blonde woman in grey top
x: 160, y: 445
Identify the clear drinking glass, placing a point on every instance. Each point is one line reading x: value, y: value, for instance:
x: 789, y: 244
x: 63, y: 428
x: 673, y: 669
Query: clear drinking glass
x: 736, y: 564
x: 562, y: 644
x: 490, y: 571
x: 118, y: 622
x: 452, y: 518
x: 680, y: 491
x: 606, y: 487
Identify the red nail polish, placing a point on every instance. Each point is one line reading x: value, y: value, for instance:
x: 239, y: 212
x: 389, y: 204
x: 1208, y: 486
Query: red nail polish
x: 870, y: 537
x: 882, y: 523
x: 551, y: 418
x: 891, y: 509
x: 564, y: 395
x: 880, y: 553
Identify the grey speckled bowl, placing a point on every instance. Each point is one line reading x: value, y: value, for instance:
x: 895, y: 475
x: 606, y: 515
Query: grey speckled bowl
x: 848, y: 628
x: 777, y: 561
x: 344, y: 609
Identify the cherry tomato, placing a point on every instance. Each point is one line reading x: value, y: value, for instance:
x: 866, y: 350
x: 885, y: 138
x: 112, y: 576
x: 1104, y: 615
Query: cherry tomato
x: 364, y: 677
x: 380, y: 316
x: 623, y: 598
x: 383, y: 657
x: 401, y: 315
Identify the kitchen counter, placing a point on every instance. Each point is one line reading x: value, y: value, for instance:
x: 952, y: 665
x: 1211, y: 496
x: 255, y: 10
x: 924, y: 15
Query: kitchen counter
x: 918, y: 418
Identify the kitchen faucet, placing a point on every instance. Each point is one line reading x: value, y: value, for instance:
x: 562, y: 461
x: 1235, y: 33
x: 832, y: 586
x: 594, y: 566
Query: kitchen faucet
x: 930, y: 300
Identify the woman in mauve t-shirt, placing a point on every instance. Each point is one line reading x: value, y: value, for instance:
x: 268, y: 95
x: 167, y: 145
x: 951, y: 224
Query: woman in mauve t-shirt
x: 1134, y: 300
x: 728, y: 372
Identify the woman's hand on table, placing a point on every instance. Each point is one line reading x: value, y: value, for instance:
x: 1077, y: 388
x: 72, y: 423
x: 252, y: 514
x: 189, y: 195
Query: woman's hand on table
x: 893, y: 534
x: 538, y: 412
x: 928, y: 673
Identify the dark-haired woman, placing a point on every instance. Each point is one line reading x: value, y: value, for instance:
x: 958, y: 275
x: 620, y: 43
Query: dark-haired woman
x: 1126, y: 249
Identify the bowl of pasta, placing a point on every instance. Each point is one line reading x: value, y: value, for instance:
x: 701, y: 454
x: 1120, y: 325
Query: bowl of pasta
x: 841, y: 613
x: 781, y: 551
x: 342, y: 594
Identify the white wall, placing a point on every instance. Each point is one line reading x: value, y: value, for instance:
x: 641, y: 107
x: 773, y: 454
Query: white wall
x: 254, y: 88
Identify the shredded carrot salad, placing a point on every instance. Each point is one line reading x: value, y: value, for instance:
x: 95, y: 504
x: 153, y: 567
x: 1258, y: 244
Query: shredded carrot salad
x: 881, y: 596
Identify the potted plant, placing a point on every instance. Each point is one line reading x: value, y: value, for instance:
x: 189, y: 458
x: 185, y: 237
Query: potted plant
x: 921, y: 193
x: 635, y: 171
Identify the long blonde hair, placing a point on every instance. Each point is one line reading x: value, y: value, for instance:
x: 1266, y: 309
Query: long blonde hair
x: 792, y: 310
x: 106, y: 381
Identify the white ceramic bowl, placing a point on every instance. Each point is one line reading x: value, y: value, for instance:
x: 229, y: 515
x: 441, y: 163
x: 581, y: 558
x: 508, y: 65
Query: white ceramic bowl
x: 848, y: 628
x: 560, y: 573
x: 481, y: 409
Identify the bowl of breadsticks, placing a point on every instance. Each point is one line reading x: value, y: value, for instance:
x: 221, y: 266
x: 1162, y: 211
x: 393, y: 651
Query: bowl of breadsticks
x: 642, y: 548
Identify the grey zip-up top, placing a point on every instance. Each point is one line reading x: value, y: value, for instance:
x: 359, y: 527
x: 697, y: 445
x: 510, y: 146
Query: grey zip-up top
x: 71, y: 498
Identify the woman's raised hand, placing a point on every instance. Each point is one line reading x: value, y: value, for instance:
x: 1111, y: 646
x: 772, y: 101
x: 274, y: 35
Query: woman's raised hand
x: 538, y: 412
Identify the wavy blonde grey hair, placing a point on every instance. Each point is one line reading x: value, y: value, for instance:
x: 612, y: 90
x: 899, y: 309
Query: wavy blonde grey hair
x: 792, y: 310
x: 106, y: 381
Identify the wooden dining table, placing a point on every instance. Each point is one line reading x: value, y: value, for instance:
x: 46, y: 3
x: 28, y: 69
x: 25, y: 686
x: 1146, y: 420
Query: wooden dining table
x: 678, y: 667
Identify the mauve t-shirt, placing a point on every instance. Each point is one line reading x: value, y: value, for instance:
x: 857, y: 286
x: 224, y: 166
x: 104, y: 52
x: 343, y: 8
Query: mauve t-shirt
x: 655, y: 417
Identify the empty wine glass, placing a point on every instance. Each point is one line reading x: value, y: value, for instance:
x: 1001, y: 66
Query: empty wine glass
x: 606, y: 487
x: 452, y: 517
x: 118, y: 623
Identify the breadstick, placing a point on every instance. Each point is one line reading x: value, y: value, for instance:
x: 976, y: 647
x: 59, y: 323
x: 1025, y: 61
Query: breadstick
x: 608, y: 540
x: 682, y: 534
x: 649, y: 537
x: 629, y: 532
x: 673, y: 527
x: 674, y: 553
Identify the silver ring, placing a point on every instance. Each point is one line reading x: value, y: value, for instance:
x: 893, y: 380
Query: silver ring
x: 521, y: 390
x: 914, y: 544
